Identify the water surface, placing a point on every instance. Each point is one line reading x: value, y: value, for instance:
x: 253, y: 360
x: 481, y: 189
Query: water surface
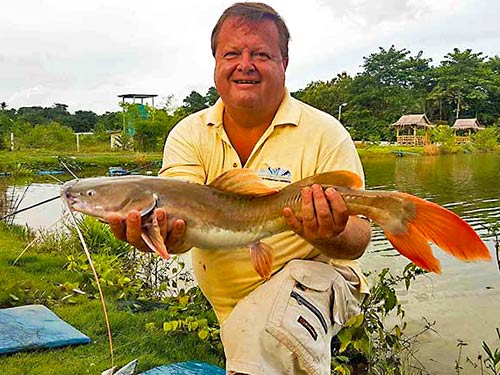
x: 464, y: 300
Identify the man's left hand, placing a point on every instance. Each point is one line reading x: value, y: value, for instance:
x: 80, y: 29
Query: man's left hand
x: 323, y: 215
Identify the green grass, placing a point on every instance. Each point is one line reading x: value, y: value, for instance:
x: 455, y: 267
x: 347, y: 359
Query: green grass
x: 43, y: 159
x: 40, y: 277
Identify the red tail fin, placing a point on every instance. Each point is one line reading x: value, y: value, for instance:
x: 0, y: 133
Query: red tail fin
x: 442, y: 227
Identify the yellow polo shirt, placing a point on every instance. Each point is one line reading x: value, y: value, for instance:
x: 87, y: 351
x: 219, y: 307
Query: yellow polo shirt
x: 301, y: 141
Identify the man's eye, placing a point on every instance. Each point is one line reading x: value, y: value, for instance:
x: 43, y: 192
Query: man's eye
x: 230, y: 54
x: 261, y: 56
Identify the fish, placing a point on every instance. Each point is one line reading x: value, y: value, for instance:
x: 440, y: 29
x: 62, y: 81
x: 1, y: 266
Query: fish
x: 238, y: 210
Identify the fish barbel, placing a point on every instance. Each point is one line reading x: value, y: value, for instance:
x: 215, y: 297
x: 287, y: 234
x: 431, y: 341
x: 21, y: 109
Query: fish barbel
x: 237, y: 209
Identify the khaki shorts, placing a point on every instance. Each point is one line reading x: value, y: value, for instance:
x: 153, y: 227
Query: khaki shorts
x: 285, y: 326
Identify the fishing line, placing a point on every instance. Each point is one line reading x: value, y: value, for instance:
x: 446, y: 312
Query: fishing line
x: 55, y: 178
x: 39, y: 203
x: 27, y: 208
x: 68, y: 169
x: 96, y: 277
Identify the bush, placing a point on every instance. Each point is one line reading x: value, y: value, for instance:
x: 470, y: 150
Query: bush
x: 485, y: 140
x: 53, y: 136
x: 443, y: 136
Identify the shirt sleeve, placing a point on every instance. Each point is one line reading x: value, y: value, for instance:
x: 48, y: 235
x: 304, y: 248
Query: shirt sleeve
x: 341, y: 157
x: 182, y: 154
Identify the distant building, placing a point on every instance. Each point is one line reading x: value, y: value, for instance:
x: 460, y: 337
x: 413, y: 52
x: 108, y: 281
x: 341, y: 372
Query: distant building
x: 406, y: 130
x: 464, y: 127
x: 129, y: 127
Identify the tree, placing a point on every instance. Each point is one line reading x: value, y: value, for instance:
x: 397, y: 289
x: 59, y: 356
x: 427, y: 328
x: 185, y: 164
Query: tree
x: 393, y: 83
x: 34, y: 115
x: 52, y: 136
x: 211, y: 96
x: 82, y: 121
x: 109, y: 121
x: 490, y: 108
x: 461, y: 83
x: 194, y: 102
x: 327, y: 96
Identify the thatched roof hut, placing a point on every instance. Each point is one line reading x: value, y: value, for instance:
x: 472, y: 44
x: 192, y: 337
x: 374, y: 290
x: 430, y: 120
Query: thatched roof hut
x: 467, y: 124
x: 406, y: 129
x: 413, y: 121
x: 464, y: 127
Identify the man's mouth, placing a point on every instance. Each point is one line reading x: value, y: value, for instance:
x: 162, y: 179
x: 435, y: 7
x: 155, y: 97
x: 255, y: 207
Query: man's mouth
x: 245, y: 81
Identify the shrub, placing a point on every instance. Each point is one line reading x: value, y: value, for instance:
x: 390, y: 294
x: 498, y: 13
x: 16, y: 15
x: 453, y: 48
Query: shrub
x: 485, y: 140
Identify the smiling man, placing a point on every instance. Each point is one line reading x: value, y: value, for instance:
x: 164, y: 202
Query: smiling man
x: 283, y: 325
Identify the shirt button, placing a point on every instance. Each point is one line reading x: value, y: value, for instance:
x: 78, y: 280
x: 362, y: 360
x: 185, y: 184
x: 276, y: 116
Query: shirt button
x: 235, y: 165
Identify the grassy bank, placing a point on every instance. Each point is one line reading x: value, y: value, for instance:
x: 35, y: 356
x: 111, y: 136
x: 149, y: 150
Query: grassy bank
x: 49, y: 160
x: 42, y: 276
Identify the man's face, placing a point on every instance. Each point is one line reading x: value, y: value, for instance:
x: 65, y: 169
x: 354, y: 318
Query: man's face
x: 249, y: 69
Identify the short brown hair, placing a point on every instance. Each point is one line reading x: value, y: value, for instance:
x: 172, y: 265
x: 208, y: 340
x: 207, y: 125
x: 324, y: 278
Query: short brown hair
x: 252, y: 11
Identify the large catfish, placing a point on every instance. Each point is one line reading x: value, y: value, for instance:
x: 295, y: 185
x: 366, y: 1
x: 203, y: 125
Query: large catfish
x: 237, y: 209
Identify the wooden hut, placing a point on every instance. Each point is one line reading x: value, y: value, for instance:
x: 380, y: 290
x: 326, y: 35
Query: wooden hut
x: 464, y: 127
x: 406, y: 130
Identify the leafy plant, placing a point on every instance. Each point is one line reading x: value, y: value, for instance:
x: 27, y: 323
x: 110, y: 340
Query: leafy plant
x: 492, y: 360
x: 366, y: 344
x: 485, y: 140
x: 191, y: 313
x: 486, y: 364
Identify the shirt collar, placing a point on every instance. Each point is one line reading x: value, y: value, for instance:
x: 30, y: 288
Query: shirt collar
x: 288, y: 112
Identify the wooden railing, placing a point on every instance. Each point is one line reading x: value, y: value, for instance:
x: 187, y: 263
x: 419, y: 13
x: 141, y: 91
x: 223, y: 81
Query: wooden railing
x: 412, y: 140
x: 460, y: 140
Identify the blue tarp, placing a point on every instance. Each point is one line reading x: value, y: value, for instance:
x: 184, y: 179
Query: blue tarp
x: 186, y: 368
x: 34, y: 327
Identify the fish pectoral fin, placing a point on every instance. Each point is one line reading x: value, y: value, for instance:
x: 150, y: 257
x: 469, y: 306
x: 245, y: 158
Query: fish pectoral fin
x: 262, y: 256
x: 151, y: 235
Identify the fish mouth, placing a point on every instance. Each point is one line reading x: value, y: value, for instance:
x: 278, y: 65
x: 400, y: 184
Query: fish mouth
x: 66, y: 196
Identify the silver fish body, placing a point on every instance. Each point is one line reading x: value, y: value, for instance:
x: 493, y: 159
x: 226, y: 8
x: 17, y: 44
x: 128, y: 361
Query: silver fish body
x: 238, y: 209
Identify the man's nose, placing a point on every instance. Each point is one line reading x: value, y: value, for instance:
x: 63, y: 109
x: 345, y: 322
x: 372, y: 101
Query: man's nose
x: 245, y: 63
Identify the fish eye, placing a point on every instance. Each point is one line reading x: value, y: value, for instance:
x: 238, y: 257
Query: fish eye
x: 90, y: 193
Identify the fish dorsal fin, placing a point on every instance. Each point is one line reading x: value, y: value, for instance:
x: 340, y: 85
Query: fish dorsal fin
x: 335, y: 178
x: 242, y: 181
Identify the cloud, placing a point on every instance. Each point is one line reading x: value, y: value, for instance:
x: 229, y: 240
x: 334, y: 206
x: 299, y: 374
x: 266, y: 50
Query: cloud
x: 86, y: 53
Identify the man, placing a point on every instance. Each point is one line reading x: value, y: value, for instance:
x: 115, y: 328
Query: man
x: 283, y: 325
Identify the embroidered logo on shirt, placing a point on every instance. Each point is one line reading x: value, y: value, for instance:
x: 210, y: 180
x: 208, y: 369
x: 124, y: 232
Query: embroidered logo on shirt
x: 275, y: 174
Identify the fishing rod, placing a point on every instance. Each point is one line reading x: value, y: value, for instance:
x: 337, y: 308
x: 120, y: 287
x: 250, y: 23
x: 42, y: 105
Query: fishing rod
x: 29, y: 207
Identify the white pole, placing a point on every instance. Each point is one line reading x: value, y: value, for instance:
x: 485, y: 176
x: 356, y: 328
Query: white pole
x: 340, y: 109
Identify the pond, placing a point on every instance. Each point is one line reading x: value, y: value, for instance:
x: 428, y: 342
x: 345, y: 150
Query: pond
x: 464, y: 300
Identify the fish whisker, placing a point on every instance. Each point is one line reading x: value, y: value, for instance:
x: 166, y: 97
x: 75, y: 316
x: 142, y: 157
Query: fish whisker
x: 37, y: 237
x: 67, y: 168
x: 96, y: 277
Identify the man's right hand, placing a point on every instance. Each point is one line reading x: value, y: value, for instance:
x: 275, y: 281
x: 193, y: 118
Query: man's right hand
x: 129, y: 230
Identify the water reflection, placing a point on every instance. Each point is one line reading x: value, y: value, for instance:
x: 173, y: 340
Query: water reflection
x: 465, y: 299
x: 469, y: 185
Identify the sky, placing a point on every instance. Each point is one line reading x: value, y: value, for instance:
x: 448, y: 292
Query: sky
x: 86, y: 53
